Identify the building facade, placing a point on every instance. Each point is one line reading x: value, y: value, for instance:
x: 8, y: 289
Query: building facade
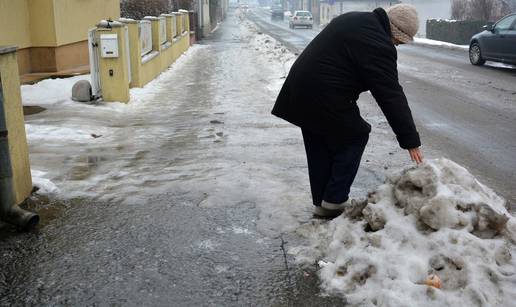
x: 52, y: 34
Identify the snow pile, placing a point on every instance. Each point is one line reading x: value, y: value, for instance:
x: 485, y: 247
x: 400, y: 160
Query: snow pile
x: 50, y: 91
x: 432, y: 219
x: 431, y: 42
x: 44, y: 185
x: 279, y: 57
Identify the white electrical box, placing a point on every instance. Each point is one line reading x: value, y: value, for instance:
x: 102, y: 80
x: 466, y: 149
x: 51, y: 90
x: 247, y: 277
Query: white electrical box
x: 109, y: 45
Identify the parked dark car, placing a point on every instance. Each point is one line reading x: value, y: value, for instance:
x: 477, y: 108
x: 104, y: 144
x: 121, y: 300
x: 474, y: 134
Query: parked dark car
x: 496, y: 43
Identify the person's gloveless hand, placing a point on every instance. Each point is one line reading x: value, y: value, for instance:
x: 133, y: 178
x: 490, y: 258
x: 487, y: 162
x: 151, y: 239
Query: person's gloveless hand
x: 416, y: 155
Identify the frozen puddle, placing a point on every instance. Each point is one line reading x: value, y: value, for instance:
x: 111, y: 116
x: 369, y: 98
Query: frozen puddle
x: 433, y: 219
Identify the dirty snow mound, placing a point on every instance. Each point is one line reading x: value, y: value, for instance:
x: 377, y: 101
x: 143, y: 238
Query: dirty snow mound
x: 432, y: 219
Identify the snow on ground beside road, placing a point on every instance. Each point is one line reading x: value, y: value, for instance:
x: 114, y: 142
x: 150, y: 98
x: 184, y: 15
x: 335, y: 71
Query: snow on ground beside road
x: 500, y: 65
x: 432, y: 219
x: 431, y: 42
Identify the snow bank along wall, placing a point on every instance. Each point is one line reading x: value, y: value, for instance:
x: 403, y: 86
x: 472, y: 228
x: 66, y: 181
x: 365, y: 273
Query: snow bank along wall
x: 154, y: 43
x: 52, y: 34
x: 10, y: 97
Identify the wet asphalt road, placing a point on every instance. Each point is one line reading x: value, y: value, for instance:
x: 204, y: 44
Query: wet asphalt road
x: 178, y: 204
x: 463, y: 112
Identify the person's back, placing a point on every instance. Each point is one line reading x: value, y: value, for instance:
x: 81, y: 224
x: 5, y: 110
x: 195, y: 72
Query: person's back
x: 327, y: 78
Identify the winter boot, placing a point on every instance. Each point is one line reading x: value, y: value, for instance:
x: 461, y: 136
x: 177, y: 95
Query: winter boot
x: 350, y: 208
x: 320, y: 212
x: 329, y: 210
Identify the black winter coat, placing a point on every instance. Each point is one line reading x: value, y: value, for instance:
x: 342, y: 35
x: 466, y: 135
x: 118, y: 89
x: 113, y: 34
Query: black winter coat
x: 353, y: 54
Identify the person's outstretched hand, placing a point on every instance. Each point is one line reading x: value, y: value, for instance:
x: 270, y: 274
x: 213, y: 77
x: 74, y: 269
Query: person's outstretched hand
x: 416, y: 155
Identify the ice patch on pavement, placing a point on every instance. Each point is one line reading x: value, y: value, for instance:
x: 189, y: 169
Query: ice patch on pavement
x: 432, y: 219
x: 240, y: 230
x: 207, y: 244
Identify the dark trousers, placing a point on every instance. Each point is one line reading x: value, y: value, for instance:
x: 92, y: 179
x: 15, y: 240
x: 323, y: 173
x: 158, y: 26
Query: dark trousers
x: 332, y: 165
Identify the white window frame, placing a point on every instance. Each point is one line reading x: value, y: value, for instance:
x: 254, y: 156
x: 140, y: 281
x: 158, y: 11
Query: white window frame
x: 145, y: 35
x: 163, y: 30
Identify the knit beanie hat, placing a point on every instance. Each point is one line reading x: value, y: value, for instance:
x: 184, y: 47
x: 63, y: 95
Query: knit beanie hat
x: 404, y: 22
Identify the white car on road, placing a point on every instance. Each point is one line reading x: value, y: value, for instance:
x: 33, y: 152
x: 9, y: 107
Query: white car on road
x: 301, y: 19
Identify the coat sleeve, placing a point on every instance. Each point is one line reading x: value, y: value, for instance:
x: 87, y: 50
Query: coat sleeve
x: 376, y: 65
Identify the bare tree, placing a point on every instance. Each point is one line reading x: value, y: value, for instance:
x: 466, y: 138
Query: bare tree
x: 137, y: 9
x: 459, y: 9
x: 485, y: 10
x: 482, y: 9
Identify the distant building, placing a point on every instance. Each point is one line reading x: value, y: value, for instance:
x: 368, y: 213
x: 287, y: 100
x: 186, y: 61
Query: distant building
x: 330, y: 9
x: 333, y: 8
x: 52, y: 34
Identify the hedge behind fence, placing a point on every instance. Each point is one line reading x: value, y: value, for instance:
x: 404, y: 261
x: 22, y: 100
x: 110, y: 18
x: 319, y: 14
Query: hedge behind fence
x: 457, y: 32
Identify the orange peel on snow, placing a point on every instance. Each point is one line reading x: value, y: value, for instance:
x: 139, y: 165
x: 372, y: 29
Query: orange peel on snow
x: 433, y: 281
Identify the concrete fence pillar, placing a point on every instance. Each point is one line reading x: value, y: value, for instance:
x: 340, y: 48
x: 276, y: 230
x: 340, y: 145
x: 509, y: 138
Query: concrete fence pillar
x: 179, y: 23
x: 14, y: 134
x: 156, y: 35
x: 186, y: 22
x: 170, y: 26
x: 135, y: 48
x: 114, y: 69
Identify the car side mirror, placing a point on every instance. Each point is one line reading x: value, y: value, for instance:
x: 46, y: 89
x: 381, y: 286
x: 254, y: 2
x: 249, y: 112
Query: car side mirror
x: 489, y: 27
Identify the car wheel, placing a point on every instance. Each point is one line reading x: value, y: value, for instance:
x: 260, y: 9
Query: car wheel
x: 475, y: 55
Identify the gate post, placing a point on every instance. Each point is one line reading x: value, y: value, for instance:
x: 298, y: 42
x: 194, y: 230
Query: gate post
x: 113, y: 61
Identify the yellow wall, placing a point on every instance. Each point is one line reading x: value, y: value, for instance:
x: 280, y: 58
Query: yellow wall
x: 135, y: 51
x: 52, y: 23
x: 15, y: 28
x: 42, y: 25
x: 15, y: 125
x: 74, y: 18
